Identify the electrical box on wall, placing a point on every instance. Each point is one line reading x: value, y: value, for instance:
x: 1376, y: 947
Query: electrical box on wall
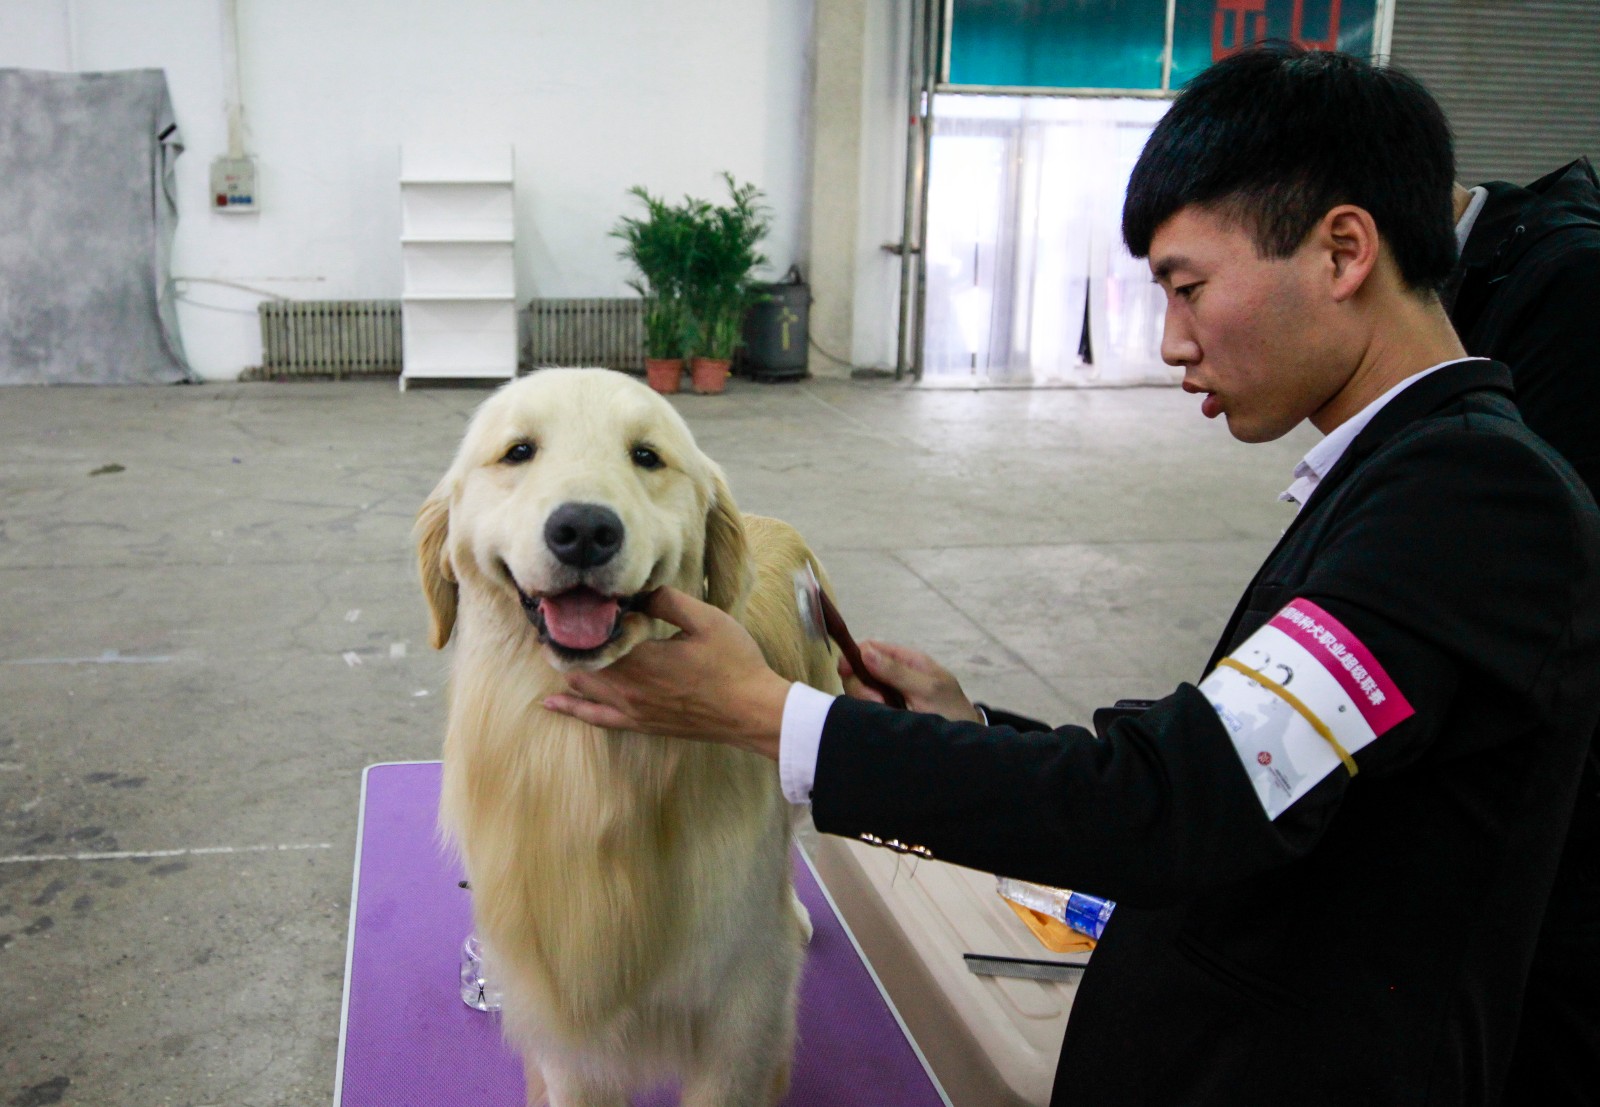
x: 233, y: 184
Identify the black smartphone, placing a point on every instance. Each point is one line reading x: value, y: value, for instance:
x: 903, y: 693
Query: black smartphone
x: 1105, y: 716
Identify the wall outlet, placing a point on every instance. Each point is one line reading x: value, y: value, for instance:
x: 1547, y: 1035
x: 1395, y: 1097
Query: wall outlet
x: 233, y: 184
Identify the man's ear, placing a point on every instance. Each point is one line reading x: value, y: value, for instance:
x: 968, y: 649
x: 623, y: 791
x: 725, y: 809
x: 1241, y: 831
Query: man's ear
x: 1350, y: 236
x: 433, y: 565
x: 729, y: 573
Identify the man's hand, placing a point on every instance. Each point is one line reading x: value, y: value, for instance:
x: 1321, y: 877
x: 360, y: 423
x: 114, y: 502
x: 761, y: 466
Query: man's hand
x: 709, y: 682
x: 926, y: 685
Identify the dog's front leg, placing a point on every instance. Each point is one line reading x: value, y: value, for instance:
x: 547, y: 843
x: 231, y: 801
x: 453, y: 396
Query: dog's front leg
x: 563, y: 1088
x: 747, y: 1048
x: 738, y: 1086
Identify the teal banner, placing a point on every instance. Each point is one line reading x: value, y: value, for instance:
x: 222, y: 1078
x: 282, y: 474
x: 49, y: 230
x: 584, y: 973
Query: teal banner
x: 1058, y: 43
x: 1118, y: 44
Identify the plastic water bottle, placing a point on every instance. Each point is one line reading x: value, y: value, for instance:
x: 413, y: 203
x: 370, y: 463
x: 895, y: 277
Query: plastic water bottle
x: 478, y: 989
x: 1088, y: 914
x: 1084, y: 913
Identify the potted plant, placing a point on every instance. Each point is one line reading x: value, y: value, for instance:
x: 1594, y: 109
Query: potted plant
x: 659, y: 244
x: 719, y: 283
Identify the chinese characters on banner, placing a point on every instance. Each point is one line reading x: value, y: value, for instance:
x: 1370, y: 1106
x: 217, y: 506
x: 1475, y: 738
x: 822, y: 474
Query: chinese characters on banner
x: 1205, y: 31
x: 1237, y: 23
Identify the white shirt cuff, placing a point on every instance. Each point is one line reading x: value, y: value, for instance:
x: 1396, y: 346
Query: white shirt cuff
x: 804, y: 711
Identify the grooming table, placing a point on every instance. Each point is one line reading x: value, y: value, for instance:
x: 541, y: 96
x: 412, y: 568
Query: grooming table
x: 407, y: 1040
x: 998, y: 1037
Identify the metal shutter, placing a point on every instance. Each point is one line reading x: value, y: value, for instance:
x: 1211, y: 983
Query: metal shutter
x: 1519, y: 79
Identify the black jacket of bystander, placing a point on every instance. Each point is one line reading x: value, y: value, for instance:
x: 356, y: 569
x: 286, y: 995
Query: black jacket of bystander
x: 1526, y: 293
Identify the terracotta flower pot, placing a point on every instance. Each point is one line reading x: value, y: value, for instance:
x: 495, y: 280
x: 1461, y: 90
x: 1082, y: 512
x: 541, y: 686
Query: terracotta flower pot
x: 709, y: 374
x: 663, y: 373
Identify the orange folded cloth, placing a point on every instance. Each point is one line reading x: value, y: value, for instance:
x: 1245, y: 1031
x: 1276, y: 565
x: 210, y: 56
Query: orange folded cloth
x: 1053, y: 934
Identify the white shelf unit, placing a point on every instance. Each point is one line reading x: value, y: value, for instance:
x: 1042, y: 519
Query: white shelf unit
x: 458, y: 304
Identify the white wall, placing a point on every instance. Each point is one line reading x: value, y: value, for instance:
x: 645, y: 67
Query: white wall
x: 596, y: 95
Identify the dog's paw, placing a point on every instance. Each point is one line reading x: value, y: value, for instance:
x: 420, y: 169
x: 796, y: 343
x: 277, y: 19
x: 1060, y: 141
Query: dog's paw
x: 803, y: 917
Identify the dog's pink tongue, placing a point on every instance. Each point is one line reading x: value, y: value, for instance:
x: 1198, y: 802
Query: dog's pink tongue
x: 579, y: 620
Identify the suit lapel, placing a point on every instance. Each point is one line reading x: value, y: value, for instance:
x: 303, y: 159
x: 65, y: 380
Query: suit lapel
x: 1420, y: 400
x: 1416, y: 402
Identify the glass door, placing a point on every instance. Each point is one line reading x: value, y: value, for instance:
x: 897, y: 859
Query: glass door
x: 1027, y: 281
x: 969, y: 250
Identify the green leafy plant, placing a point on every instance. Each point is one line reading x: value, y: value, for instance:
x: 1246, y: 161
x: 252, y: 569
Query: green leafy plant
x: 723, y: 257
x: 696, y: 263
x: 659, y: 245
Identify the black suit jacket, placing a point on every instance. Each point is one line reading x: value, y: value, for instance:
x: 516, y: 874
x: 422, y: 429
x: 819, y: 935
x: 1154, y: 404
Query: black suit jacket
x: 1368, y: 945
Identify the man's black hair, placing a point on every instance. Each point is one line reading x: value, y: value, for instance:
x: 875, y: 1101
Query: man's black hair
x: 1275, y: 136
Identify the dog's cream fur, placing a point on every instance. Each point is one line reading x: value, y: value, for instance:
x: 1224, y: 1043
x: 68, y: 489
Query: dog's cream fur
x: 633, y: 891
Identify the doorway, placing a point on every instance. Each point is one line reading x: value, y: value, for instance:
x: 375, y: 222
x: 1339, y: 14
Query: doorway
x: 1027, y: 280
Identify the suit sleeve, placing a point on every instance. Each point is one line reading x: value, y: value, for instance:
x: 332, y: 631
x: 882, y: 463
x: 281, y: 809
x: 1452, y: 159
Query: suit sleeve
x: 1126, y: 817
x: 1000, y: 717
x: 1460, y: 560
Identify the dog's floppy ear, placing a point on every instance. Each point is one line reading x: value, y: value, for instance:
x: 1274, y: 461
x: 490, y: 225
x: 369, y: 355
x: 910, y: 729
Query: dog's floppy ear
x: 729, y: 574
x: 433, y: 564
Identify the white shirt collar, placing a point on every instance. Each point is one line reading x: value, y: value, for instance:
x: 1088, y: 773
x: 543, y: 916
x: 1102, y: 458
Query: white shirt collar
x: 1470, y: 216
x: 1321, y: 458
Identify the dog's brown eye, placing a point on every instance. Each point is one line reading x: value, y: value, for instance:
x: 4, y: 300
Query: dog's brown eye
x: 646, y: 458
x: 520, y: 452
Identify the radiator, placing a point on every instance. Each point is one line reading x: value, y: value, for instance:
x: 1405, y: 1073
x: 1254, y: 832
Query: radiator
x: 323, y: 338
x: 343, y: 338
x: 607, y: 332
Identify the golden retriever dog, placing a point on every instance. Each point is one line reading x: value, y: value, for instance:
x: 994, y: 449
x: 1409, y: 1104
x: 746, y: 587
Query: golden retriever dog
x: 633, y: 892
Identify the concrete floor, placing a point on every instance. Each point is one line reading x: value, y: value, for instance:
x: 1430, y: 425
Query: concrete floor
x: 201, y: 648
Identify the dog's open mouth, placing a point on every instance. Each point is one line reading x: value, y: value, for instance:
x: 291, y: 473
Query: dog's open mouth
x: 579, y: 621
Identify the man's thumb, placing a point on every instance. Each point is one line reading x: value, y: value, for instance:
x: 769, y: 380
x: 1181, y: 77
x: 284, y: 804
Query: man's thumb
x: 672, y: 606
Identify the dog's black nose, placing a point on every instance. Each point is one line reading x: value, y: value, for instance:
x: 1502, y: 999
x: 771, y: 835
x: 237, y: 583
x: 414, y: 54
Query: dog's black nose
x: 583, y: 535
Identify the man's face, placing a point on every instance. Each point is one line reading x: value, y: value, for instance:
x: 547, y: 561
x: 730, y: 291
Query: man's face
x: 1251, y: 333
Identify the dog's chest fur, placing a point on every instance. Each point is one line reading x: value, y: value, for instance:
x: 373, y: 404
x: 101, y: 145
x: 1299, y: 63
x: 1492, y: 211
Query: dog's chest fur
x: 586, y: 849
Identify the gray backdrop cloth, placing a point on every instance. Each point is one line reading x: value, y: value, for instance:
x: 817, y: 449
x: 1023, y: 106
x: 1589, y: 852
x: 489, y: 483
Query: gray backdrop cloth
x: 87, y: 211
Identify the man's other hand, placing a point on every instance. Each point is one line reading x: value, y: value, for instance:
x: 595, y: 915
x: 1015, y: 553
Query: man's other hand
x: 926, y: 685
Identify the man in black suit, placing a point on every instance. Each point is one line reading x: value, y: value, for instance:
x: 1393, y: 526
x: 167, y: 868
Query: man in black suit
x: 1331, y: 856
x: 1524, y: 294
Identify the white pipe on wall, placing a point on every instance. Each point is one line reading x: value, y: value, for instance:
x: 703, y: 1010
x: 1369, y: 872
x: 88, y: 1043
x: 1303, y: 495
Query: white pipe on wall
x: 230, y: 76
x: 70, y: 11
x: 1383, y: 33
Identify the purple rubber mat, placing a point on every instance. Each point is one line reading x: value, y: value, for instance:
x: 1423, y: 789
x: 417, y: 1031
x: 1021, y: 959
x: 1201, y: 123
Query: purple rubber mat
x: 408, y: 1041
